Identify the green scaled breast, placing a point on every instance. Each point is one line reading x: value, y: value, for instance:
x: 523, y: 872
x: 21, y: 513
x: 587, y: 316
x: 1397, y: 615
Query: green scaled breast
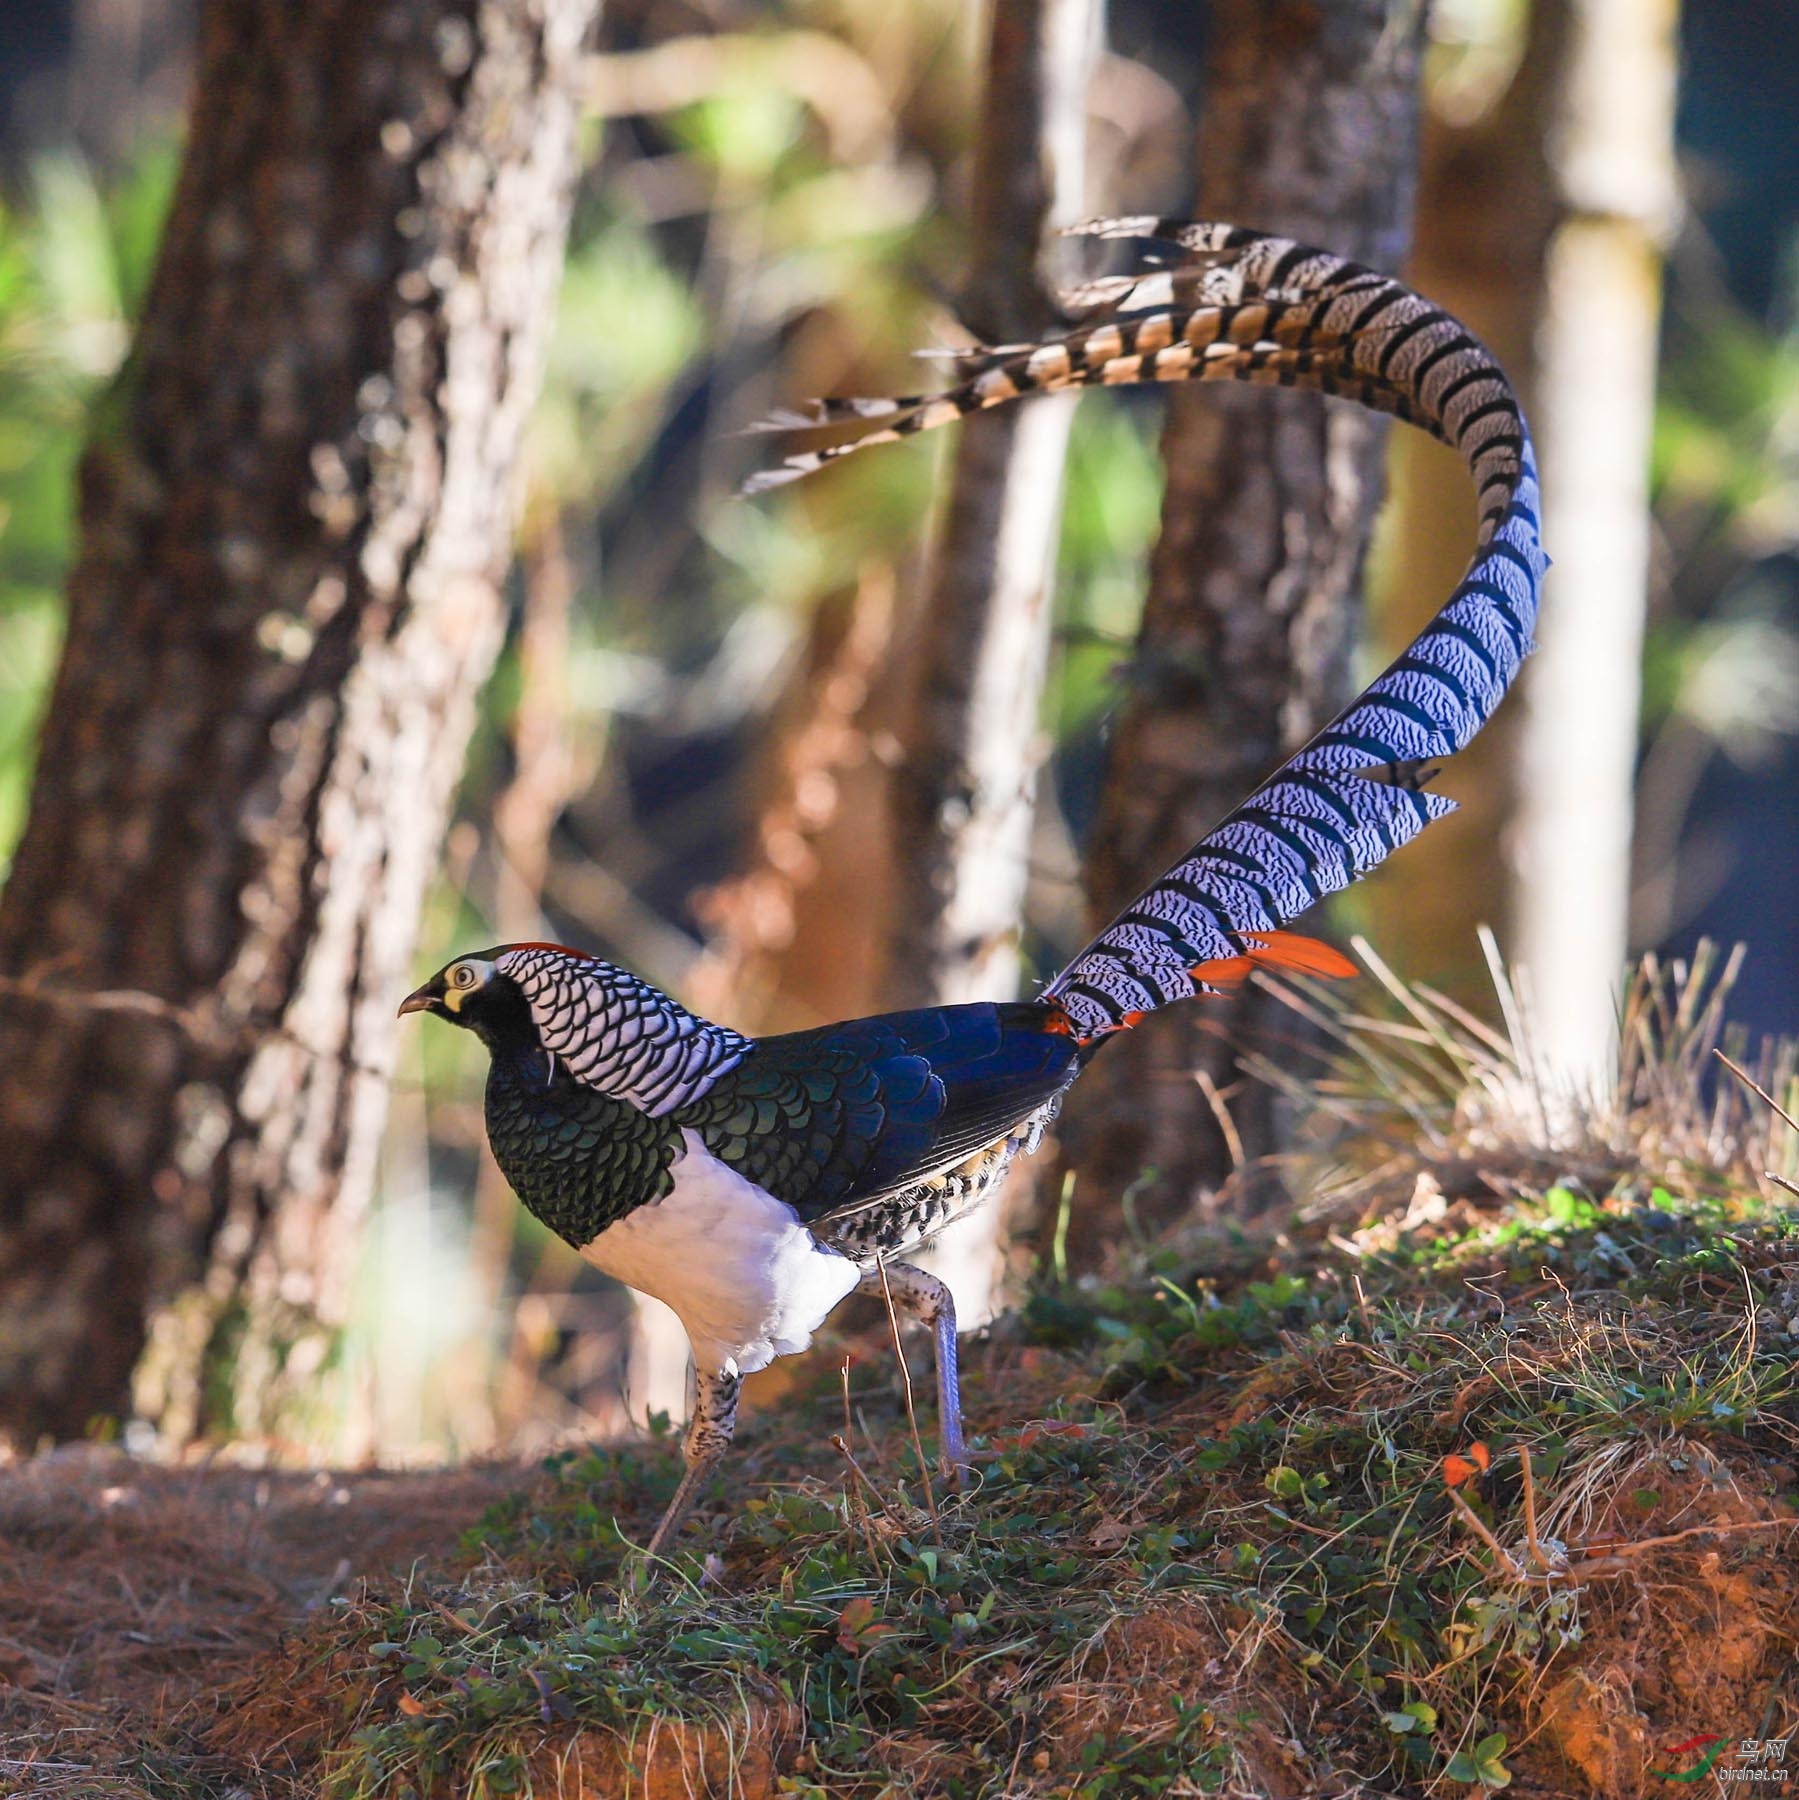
x: 577, y: 1158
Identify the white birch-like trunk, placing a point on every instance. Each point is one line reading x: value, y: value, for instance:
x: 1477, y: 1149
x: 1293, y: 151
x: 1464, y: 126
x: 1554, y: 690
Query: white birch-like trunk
x: 964, y: 803
x: 1612, y: 156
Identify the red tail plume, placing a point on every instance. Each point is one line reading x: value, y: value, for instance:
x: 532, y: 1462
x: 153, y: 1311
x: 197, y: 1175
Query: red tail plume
x: 1275, y: 950
x: 1266, y: 950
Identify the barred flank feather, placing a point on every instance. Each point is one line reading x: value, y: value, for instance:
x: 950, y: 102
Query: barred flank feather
x: 1245, y: 307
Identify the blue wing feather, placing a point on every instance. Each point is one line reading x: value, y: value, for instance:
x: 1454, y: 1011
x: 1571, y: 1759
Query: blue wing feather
x: 875, y: 1104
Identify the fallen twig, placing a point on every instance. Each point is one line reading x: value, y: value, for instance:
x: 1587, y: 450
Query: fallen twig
x: 1537, y: 1554
x: 899, y: 1350
x: 1636, y: 1546
x: 1616, y: 1557
x: 1478, y: 1526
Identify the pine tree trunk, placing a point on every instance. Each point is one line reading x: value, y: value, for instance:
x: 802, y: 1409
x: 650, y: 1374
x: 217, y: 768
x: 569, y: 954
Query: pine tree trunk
x: 294, y: 516
x: 1309, y: 128
x: 964, y: 798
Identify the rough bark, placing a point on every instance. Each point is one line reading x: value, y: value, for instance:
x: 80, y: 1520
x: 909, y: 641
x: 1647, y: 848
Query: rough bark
x: 962, y: 801
x: 1612, y: 161
x: 1308, y: 127
x: 294, y: 515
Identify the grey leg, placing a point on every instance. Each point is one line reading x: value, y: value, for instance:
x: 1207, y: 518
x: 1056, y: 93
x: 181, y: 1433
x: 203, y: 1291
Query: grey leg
x: 708, y: 1438
x: 926, y: 1299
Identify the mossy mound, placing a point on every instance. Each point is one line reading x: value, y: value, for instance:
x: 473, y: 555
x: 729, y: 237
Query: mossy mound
x: 1212, y: 1549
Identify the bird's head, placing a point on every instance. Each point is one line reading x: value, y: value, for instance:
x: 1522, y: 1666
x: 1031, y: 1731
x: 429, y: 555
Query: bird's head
x: 560, y: 1008
x: 475, y: 993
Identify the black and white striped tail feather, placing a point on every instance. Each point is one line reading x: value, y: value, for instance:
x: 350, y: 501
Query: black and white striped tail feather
x: 1249, y: 307
x: 887, y: 420
x: 1354, y: 794
x: 1212, y: 321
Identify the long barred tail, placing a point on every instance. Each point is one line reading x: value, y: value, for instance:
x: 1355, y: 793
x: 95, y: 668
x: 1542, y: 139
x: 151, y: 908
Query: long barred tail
x: 1253, y: 308
x: 1246, y: 308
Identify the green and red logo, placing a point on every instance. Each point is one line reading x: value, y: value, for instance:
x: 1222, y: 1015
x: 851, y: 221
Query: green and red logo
x: 1709, y: 1742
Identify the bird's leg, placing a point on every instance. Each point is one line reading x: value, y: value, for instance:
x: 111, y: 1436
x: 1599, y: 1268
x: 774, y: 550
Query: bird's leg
x: 708, y: 1438
x: 931, y: 1303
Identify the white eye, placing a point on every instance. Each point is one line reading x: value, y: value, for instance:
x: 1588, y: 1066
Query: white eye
x: 463, y: 976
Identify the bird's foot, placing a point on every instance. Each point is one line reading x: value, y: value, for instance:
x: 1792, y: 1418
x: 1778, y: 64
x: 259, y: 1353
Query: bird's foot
x: 708, y: 1438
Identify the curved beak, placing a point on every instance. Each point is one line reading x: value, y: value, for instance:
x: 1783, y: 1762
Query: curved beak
x: 423, y: 999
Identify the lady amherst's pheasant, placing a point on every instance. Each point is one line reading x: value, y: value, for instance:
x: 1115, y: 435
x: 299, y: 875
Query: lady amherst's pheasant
x: 753, y: 1183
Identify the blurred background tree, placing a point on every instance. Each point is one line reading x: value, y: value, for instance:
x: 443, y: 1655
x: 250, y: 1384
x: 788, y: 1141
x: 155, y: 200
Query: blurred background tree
x: 685, y: 759
x: 978, y: 650
x: 295, y: 507
x: 1308, y: 126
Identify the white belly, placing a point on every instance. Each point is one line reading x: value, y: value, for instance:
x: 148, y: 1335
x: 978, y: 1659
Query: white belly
x: 747, y: 1279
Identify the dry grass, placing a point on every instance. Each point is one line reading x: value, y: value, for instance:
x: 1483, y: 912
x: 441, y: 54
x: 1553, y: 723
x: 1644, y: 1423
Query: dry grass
x: 126, y: 1589
x: 1425, y: 1102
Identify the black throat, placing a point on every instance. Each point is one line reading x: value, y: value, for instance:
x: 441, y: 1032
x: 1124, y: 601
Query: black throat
x: 500, y: 1016
x: 579, y: 1159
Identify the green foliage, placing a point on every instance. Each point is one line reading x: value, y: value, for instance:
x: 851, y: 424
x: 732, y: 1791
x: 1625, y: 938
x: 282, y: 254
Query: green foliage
x: 1726, y: 395
x: 1481, y: 1765
x: 74, y: 264
x: 1722, y: 662
x: 1111, y: 507
x: 627, y: 327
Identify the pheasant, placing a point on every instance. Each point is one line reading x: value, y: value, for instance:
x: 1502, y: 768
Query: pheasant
x: 753, y: 1184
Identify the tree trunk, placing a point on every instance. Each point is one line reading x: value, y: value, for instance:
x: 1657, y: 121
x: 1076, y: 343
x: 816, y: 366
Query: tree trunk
x: 962, y: 802
x: 1612, y: 161
x: 1308, y: 128
x: 294, y: 516
x: 788, y: 938
x: 1484, y: 216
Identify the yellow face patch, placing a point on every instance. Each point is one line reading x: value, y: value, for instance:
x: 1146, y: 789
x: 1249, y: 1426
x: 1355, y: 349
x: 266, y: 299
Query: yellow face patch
x: 462, y: 979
